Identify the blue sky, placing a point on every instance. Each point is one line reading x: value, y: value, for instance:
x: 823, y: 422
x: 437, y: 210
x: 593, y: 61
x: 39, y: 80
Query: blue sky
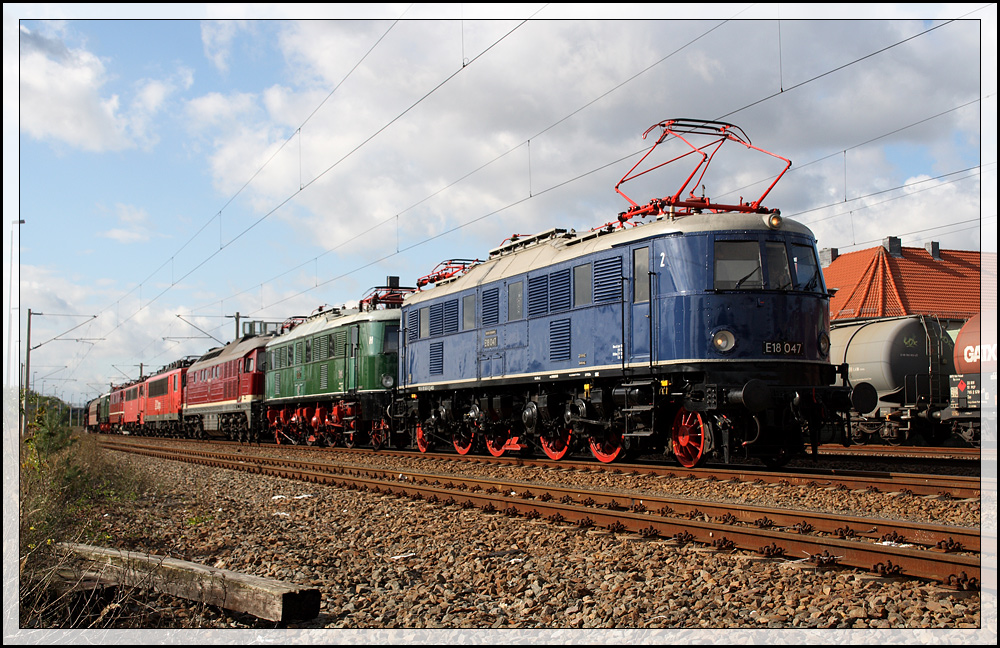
x: 171, y: 173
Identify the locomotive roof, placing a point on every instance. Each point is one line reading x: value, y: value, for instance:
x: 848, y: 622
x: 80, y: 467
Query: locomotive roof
x: 557, y: 246
x: 332, y: 319
x: 235, y: 349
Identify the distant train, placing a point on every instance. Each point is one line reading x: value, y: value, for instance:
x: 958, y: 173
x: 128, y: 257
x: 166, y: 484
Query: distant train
x: 927, y: 378
x: 702, y: 333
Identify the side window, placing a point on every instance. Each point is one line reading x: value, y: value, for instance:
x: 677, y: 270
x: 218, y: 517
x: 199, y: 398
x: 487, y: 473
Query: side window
x: 468, y: 312
x: 515, y: 301
x: 583, y: 285
x: 640, y: 275
x: 309, y: 350
x: 425, y: 322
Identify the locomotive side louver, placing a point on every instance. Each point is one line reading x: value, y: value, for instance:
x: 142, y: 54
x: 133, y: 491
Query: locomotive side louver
x: 608, y: 279
x: 436, y: 358
x: 451, y: 316
x: 559, y: 342
x: 412, y: 325
x: 559, y: 291
x: 538, y: 296
x: 491, y: 307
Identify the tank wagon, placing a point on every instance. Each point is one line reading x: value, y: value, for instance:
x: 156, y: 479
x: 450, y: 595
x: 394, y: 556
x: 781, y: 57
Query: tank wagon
x: 704, y: 332
x: 330, y: 377
x: 913, y: 364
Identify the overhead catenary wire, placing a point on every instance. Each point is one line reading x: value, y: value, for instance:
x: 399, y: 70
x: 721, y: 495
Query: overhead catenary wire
x: 536, y: 193
x: 395, y: 217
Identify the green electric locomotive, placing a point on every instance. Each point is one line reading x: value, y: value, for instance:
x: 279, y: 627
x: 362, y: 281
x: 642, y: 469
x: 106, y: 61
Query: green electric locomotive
x: 330, y: 376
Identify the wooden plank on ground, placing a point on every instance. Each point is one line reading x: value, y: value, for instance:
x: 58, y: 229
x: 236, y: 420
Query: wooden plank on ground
x: 264, y: 598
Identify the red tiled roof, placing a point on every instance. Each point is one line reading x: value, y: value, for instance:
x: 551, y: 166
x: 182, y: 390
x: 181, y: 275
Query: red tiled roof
x: 873, y: 283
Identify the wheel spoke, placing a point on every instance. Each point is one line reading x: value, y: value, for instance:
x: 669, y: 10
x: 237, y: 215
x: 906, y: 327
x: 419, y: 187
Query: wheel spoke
x: 606, y: 447
x: 463, y: 440
x: 557, y: 446
x: 495, y: 443
x: 687, y: 436
x: 423, y: 441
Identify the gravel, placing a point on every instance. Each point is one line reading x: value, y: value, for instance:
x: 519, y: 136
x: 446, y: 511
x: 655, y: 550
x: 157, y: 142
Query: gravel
x: 392, y: 563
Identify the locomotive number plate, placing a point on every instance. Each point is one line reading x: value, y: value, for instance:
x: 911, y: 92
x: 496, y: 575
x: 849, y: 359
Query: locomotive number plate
x: 782, y: 348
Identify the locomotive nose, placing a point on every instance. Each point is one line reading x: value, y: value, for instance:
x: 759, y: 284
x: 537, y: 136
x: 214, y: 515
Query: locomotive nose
x: 755, y: 395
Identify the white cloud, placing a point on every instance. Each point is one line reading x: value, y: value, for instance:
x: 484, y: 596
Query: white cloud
x: 61, y: 97
x: 138, y: 227
x: 60, y: 100
x: 217, y: 38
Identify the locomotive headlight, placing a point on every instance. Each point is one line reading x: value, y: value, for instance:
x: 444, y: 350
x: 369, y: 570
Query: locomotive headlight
x: 772, y: 220
x: 824, y: 344
x: 723, y: 341
x: 387, y: 381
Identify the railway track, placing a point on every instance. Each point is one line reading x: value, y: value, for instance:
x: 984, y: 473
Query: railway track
x: 945, y: 554
x: 939, y: 485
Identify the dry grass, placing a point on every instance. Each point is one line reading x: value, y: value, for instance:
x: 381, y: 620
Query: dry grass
x: 63, y: 478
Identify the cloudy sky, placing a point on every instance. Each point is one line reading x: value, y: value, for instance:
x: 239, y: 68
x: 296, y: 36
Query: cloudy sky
x: 180, y: 165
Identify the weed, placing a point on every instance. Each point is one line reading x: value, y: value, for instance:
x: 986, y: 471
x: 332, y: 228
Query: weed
x: 63, y: 477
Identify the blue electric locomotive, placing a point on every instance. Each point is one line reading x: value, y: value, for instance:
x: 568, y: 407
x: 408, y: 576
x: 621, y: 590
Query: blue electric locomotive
x: 703, y: 332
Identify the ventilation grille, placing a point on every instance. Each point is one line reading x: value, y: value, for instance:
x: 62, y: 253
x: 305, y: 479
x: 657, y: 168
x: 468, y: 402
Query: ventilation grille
x: 559, y: 342
x: 607, y: 279
x: 412, y: 325
x: 491, y: 307
x: 451, y: 316
x: 437, y: 319
x: 437, y: 358
x: 559, y: 291
x: 538, y: 296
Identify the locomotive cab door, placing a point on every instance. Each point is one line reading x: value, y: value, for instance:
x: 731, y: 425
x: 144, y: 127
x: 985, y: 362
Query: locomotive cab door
x: 353, y: 359
x: 639, y: 326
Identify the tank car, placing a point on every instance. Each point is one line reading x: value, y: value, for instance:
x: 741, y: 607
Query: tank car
x: 911, y: 361
x: 225, y: 391
x: 330, y: 377
x: 703, y: 332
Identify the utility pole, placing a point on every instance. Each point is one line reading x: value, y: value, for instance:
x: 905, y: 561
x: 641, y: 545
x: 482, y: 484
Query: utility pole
x: 27, y: 373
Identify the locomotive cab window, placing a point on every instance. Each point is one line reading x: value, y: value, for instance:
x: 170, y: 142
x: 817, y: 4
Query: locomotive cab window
x: 779, y: 277
x: 808, y: 276
x: 390, y: 339
x: 737, y: 266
